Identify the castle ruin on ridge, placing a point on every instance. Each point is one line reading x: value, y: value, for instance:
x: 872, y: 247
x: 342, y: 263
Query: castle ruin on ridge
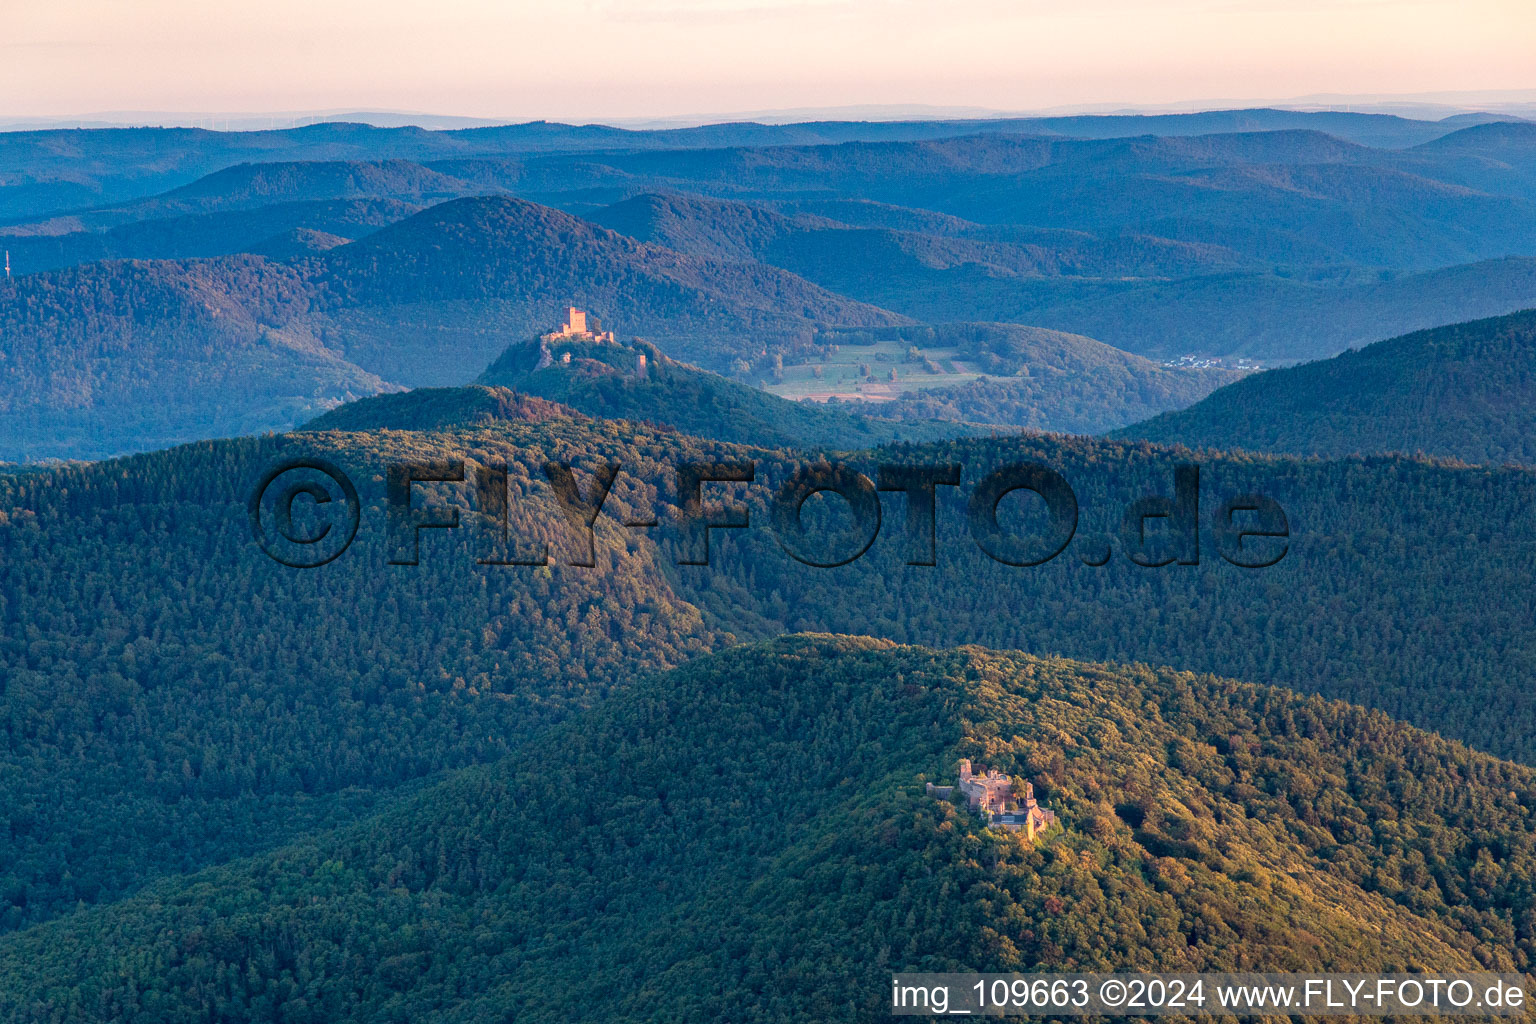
x: 992, y: 795
x: 579, y: 324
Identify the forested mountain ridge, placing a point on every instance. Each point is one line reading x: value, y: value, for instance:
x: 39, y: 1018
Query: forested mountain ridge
x: 1268, y: 245
x: 885, y: 241
x: 535, y: 742
x: 1464, y: 391
x: 202, y: 235
x: 171, y: 731
x: 720, y: 409
x: 1339, y: 614
x: 1087, y: 404
x: 756, y: 844
x: 58, y: 169
x: 252, y: 186
x: 1352, y: 204
x: 129, y: 355
x: 1276, y: 245
x: 703, y: 226
x: 1043, y: 380
x: 296, y: 243
x: 1034, y: 378
x: 233, y: 210
x: 638, y: 382
x: 115, y: 356
x: 472, y: 271
x: 1518, y: 138
x: 1269, y: 317
x: 176, y: 698
x: 258, y: 184
x: 1273, y: 245
x: 428, y: 409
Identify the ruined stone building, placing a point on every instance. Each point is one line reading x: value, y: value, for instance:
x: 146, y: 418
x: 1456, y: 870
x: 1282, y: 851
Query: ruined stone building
x: 993, y: 796
x: 579, y: 325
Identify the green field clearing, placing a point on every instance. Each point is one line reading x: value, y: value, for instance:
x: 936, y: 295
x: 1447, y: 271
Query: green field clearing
x: 841, y: 374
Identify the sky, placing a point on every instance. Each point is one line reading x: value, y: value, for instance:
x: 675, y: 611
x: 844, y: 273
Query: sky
x: 596, y: 59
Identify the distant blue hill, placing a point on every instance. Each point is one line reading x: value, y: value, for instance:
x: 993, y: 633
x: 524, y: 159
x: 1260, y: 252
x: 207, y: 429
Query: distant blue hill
x: 56, y: 169
x: 1466, y: 391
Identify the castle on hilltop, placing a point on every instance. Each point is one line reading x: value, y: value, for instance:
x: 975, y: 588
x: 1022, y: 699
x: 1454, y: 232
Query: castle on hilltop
x: 578, y: 324
x: 992, y: 796
x: 582, y: 326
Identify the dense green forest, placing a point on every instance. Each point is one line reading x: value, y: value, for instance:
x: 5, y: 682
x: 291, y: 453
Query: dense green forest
x: 747, y: 838
x: 53, y: 169
x: 606, y: 379
x: 1088, y: 404
x: 1301, y: 314
x: 204, y: 234
x: 1104, y: 263
x: 1268, y: 241
x: 83, y: 374
x: 705, y: 226
x: 859, y: 244
x: 1380, y: 597
x: 507, y: 767
x: 252, y: 188
x: 1467, y: 391
x: 423, y: 301
x: 174, y: 698
x: 131, y: 355
x: 1036, y: 379
x: 426, y: 409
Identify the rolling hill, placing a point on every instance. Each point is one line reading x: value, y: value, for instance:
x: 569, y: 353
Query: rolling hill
x: 1043, y: 380
x: 887, y: 244
x: 1070, y: 401
x: 177, y: 699
x: 1497, y: 156
x: 123, y: 356
x: 296, y: 243
x: 1278, y: 318
x: 602, y: 380
x: 522, y: 763
x: 115, y: 357
x: 748, y: 838
x: 1275, y: 246
x: 253, y: 186
x: 1349, y: 204
x: 1005, y: 374
x: 638, y: 382
x: 234, y: 210
x: 671, y: 396
x: 262, y: 184
x: 198, y: 235
x: 433, y: 299
x: 703, y: 226
x: 129, y: 757
x: 428, y: 409
x: 1037, y: 379
x: 1466, y: 391
x: 60, y: 169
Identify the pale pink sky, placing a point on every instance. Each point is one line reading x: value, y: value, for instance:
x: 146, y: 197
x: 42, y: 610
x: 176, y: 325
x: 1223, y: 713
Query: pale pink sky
x: 624, y: 58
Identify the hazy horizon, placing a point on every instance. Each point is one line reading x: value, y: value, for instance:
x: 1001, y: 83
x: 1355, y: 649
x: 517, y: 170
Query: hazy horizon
x: 626, y: 59
x: 1422, y: 106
